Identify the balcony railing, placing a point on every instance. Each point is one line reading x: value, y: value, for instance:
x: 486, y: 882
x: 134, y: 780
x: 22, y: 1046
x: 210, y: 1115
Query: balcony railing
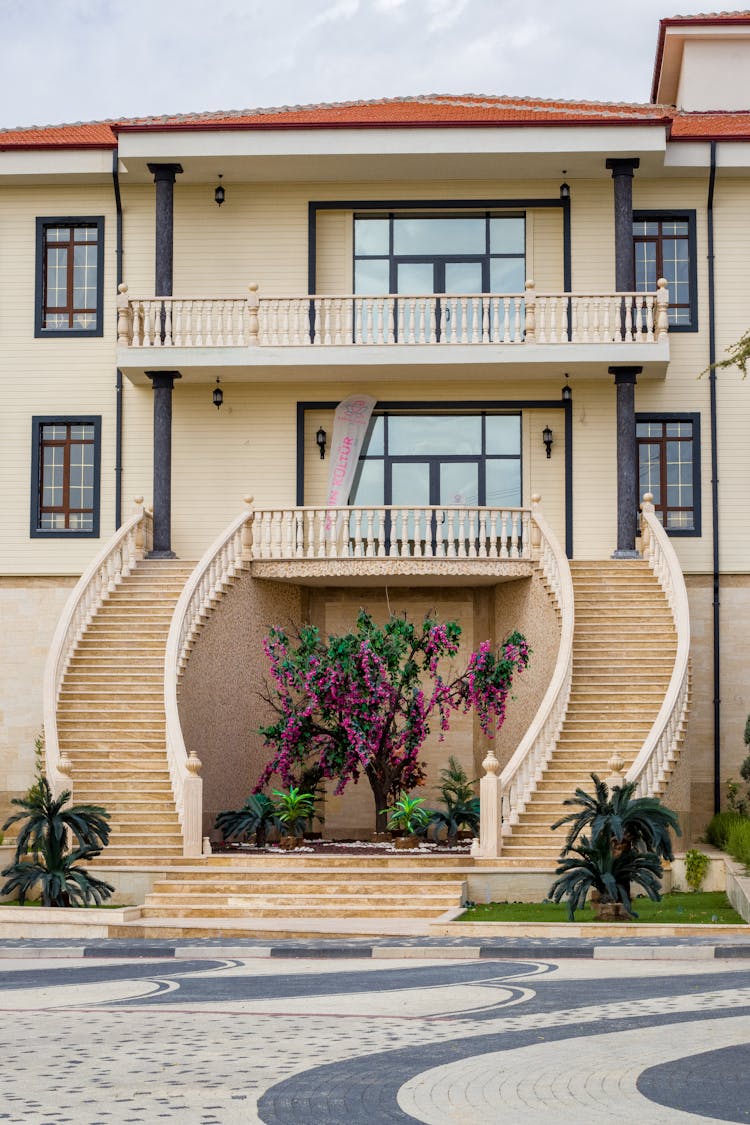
x: 390, y: 532
x: 437, y: 318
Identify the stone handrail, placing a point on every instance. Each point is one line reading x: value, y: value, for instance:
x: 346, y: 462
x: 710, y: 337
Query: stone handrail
x: 651, y: 768
x: 114, y: 562
x: 390, y: 532
x: 503, y: 796
x: 221, y: 563
x: 316, y: 320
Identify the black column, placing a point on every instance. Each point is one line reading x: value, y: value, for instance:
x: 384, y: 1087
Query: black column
x: 622, y: 175
x: 164, y: 177
x: 627, y: 462
x: 162, y: 382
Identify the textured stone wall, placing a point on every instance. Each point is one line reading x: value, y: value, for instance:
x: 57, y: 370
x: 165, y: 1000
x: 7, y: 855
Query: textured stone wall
x: 29, y: 610
x: 220, y: 702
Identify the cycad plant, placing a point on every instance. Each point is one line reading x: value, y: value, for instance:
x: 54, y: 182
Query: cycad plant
x: 256, y: 816
x: 44, y: 854
x: 627, y: 839
x: 461, y: 805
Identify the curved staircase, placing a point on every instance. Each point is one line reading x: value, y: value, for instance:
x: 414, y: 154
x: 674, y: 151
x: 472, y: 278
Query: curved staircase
x: 624, y: 646
x: 111, y: 717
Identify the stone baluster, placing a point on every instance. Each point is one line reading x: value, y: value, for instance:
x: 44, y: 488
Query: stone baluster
x: 489, y: 844
x: 662, y: 307
x: 124, y: 317
x: 536, y: 535
x: 530, y: 305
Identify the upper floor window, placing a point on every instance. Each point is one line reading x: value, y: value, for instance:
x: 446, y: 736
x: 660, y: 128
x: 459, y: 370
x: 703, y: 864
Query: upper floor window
x: 65, y: 477
x: 69, y: 277
x: 664, y: 244
x: 669, y: 467
x: 415, y: 254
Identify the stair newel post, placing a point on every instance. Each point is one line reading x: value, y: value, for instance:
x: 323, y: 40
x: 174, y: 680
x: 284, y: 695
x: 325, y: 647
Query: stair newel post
x: 489, y: 844
x: 247, y: 530
x: 662, y: 308
x: 253, y: 310
x: 646, y: 506
x: 193, y: 807
x: 535, y: 533
x: 124, y: 317
x: 140, y: 538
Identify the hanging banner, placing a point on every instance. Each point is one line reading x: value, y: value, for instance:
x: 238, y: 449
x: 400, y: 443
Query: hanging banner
x: 350, y: 424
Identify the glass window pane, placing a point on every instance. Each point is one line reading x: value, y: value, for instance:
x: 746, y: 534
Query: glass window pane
x: 459, y: 483
x: 507, y: 275
x: 371, y: 236
x: 649, y: 478
x: 415, y: 278
x: 57, y: 234
x: 368, y: 484
x: 680, y: 521
x: 374, y: 438
x: 643, y: 227
x: 82, y: 433
x: 503, y: 433
x: 679, y: 429
x: 371, y: 276
x: 436, y: 434
x: 410, y: 483
x: 440, y: 236
x: 86, y: 234
x: 507, y: 235
x: 463, y: 277
x: 503, y: 483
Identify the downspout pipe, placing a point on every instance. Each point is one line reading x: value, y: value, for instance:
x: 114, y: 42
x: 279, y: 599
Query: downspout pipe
x: 714, y: 479
x: 118, y: 382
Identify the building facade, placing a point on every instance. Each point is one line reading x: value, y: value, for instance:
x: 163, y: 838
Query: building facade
x: 530, y: 292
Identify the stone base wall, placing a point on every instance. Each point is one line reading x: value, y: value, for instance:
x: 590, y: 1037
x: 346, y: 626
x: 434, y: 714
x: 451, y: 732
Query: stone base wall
x: 29, y: 611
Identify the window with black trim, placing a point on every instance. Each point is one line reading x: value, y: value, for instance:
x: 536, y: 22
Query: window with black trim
x: 664, y: 245
x: 669, y: 467
x: 69, y: 276
x: 65, y: 477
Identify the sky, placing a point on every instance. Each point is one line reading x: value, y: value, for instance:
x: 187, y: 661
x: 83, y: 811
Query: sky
x: 84, y: 60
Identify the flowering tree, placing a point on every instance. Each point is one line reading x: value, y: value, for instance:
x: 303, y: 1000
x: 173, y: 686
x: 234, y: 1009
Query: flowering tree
x: 363, y: 703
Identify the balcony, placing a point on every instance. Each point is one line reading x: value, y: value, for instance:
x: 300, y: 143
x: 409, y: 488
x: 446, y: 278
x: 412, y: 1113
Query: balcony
x: 398, y: 545
x: 259, y: 337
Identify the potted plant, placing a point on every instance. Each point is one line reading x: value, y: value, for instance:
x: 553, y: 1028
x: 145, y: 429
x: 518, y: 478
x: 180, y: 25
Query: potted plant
x: 407, y: 816
x: 294, y: 812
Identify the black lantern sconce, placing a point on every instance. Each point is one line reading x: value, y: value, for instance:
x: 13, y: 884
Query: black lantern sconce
x: 567, y: 394
x: 547, y: 439
x: 564, y: 191
x: 219, y: 193
x: 321, y: 438
x: 218, y: 395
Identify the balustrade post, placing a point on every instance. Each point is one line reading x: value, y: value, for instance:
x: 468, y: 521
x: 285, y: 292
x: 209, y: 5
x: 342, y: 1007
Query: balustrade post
x: 247, y: 530
x: 535, y: 531
x: 646, y: 506
x: 253, y: 318
x: 140, y: 531
x: 530, y: 304
x: 662, y: 306
x: 124, y: 317
x: 489, y: 844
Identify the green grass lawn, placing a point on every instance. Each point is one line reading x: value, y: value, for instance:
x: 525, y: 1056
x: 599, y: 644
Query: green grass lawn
x: 691, y: 908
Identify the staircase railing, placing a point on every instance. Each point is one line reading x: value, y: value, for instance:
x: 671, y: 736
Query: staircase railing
x: 114, y: 562
x: 503, y: 796
x: 651, y: 768
x: 222, y: 562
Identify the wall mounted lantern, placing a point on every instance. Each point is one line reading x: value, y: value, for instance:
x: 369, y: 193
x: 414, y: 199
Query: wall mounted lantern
x: 321, y: 437
x: 564, y: 191
x: 567, y: 394
x: 219, y: 193
x: 547, y: 439
x: 218, y: 395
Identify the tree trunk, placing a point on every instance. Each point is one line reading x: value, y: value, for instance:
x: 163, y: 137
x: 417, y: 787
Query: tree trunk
x: 380, y: 794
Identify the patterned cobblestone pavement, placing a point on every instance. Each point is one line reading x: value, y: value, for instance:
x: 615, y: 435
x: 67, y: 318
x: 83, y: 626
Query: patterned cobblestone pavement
x: 205, y: 1038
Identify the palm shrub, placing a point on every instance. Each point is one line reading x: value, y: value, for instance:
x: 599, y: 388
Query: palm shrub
x: 408, y: 815
x: 595, y: 867
x: 461, y: 805
x: 294, y: 810
x: 44, y: 855
x: 256, y: 816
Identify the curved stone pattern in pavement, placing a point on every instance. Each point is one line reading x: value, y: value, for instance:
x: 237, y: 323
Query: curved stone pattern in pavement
x: 217, y: 1040
x: 713, y: 1084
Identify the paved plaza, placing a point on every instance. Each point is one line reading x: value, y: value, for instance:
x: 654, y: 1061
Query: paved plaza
x: 307, y: 1039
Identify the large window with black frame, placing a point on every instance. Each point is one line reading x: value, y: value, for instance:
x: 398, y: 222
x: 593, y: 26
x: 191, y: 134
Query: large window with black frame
x: 65, y: 477
x: 669, y: 468
x: 421, y: 255
x: 664, y: 246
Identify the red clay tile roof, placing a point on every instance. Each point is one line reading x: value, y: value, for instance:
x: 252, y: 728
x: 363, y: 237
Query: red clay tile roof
x: 430, y: 111
x: 700, y: 19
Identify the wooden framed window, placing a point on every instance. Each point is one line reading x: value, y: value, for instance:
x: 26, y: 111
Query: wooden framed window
x: 664, y: 245
x: 669, y: 467
x: 65, y: 477
x: 69, y: 276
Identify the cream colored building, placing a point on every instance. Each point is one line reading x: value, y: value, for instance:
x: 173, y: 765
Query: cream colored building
x: 490, y: 270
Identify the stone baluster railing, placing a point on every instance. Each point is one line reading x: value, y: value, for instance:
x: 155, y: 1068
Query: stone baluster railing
x: 187, y: 322
x: 504, y: 795
x: 391, y: 531
x: 101, y: 578
x: 218, y: 568
x: 652, y: 767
